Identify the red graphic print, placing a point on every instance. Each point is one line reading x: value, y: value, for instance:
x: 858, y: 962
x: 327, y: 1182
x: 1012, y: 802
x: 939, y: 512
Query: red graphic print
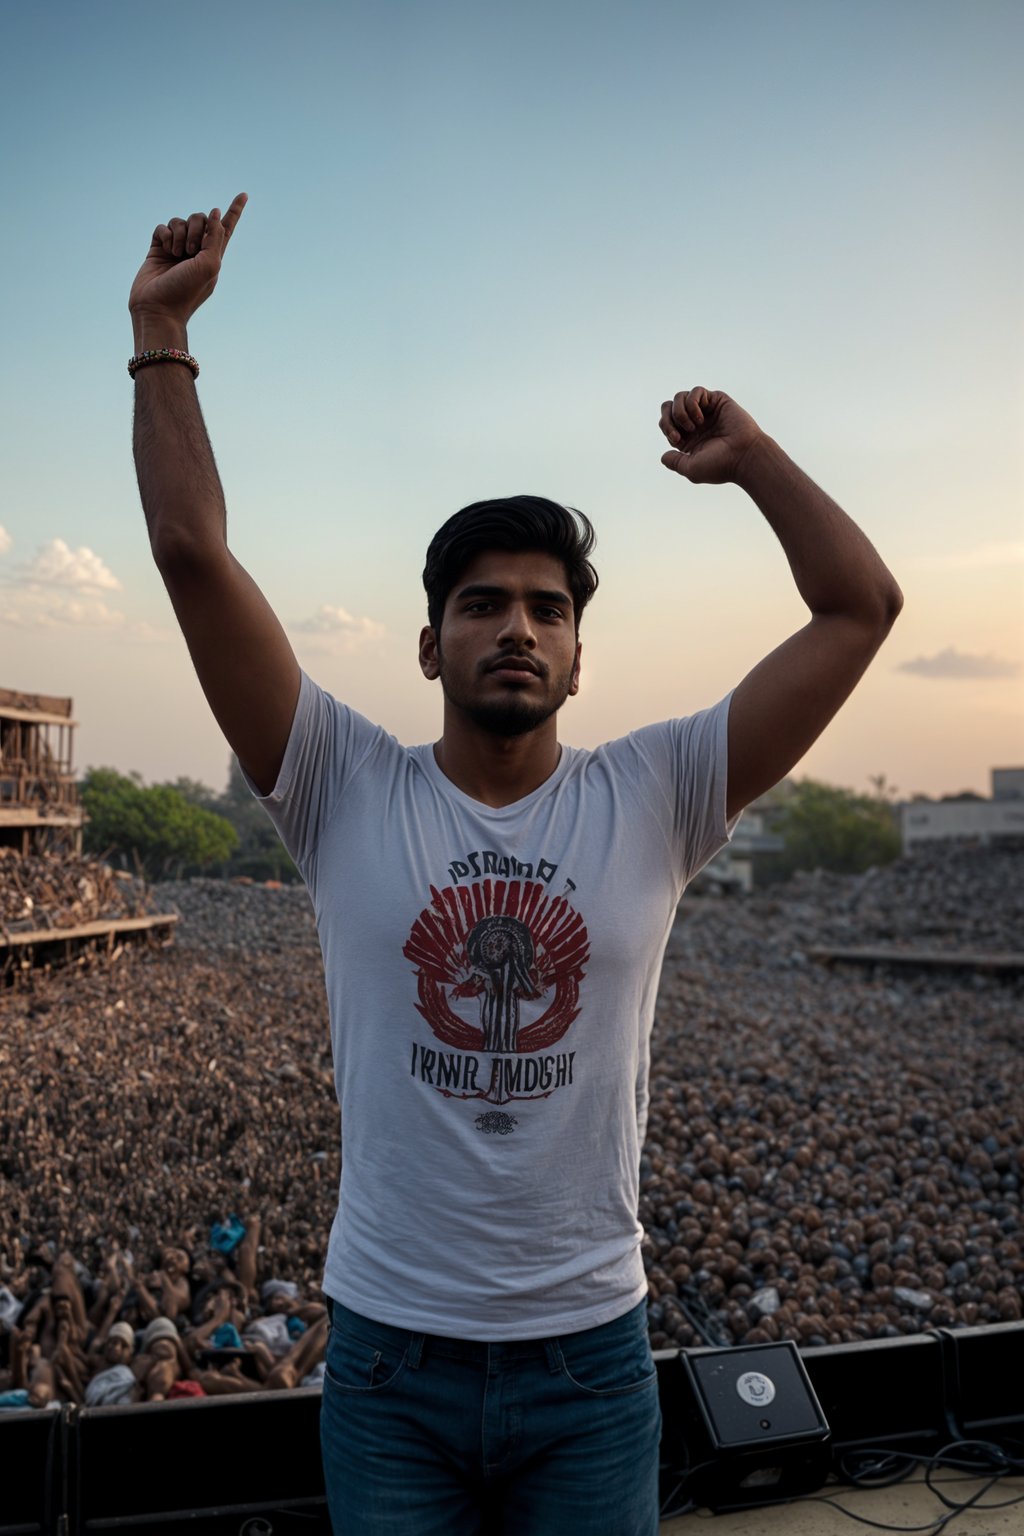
x: 504, y: 942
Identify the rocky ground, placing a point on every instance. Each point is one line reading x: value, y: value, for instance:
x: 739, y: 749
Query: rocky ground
x: 832, y: 1154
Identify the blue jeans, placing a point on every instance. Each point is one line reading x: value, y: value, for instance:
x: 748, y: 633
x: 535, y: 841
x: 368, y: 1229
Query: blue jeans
x: 426, y: 1436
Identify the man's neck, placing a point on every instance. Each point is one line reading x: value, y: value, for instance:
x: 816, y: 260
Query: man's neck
x: 496, y: 770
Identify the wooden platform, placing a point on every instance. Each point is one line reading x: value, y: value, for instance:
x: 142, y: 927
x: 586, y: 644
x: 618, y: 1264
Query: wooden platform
x: 924, y: 959
x: 19, y: 951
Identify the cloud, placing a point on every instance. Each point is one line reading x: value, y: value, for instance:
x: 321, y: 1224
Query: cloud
x: 959, y: 664
x: 63, y: 587
x: 38, y: 608
x: 58, y: 565
x: 982, y: 557
x: 330, y: 624
x: 35, y: 608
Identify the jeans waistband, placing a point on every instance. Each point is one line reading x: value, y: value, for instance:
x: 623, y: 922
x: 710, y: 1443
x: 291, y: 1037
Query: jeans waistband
x: 471, y: 1351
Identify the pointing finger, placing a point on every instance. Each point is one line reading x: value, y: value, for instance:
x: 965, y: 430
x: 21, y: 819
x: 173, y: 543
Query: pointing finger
x: 234, y: 213
x: 162, y: 239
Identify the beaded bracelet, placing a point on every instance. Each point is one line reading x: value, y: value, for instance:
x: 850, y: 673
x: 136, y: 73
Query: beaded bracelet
x: 163, y: 355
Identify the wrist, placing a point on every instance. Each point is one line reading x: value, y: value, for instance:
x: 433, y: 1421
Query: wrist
x: 153, y: 330
x: 760, y: 459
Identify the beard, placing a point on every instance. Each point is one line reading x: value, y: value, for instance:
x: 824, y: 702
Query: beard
x: 513, y: 715
x: 509, y: 717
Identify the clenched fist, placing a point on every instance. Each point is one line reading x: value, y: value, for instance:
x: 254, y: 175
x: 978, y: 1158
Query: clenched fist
x: 710, y: 435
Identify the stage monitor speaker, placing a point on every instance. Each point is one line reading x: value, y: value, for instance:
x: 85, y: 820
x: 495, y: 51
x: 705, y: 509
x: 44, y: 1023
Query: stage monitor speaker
x: 201, y: 1465
x: 983, y: 1370
x: 889, y: 1393
x: 30, y: 1456
x: 755, y: 1431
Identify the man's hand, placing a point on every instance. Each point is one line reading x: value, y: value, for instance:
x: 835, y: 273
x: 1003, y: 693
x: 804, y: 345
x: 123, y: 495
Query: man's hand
x: 182, y: 265
x: 710, y: 435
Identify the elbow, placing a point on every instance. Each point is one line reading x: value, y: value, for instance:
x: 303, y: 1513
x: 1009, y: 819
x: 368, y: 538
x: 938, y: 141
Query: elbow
x: 880, y: 608
x: 892, y: 606
x: 182, y: 556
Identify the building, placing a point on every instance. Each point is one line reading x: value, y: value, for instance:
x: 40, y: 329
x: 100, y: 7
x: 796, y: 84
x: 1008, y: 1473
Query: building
x: 38, y: 799
x: 999, y: 820
x: 732, y: 868
x: 1008, y: 783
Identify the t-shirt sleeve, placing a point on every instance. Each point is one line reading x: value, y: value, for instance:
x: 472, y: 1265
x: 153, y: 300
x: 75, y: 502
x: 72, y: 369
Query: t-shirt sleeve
x: 688, y: 761
x: 326, y: 746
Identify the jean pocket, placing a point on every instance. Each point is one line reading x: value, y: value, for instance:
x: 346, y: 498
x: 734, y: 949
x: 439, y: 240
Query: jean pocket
x: 355, y: 1364
x: 612, y: 1360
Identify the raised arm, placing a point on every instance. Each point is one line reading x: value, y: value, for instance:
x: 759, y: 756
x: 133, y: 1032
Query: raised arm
x: 241, y: 654
x: 782, y: 706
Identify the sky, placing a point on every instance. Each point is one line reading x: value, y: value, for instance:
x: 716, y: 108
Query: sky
x: 483, y: 244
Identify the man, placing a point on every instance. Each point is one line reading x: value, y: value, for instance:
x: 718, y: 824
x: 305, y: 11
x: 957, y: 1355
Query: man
x: 112, y: 1379
x: 493, y: 912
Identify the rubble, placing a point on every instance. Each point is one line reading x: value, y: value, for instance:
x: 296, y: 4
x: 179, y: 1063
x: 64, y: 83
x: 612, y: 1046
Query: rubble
x: 232, y: 917
x: 46, y: 890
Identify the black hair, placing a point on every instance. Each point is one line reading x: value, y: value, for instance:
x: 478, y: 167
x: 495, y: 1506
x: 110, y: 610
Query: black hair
x: 513, y: 523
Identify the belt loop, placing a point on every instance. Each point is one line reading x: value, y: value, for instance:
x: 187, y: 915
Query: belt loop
x: 416, y: 1344
x: 553, y: 1356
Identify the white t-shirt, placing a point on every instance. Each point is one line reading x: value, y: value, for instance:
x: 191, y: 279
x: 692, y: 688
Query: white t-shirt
x: 491, y: 978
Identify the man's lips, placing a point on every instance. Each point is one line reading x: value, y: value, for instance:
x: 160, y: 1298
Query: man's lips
x: 520, y: 664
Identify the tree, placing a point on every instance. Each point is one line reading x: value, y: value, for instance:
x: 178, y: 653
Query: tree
x: 260, y: 853
x: 197, y: 793
x: 825, y: 827
x: 155, y: 828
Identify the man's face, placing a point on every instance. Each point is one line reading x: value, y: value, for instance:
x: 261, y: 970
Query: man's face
x: 174, y: 1262
x: 117, y: 1351
x: 507, y: 655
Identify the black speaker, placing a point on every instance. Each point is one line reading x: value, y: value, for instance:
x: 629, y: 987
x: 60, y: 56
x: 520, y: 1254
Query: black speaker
x: 200, y: 1465
x: 753, y: 1428
x: 883, y: 1392
x: 30, y: 1460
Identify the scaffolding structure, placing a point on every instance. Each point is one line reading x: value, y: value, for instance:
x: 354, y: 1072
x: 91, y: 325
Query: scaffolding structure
x: 39, y: 808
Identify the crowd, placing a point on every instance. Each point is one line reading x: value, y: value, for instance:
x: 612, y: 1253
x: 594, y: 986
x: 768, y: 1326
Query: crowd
x: 198, y: 1324
x: 832, y: 1154
x: 837, y: 1153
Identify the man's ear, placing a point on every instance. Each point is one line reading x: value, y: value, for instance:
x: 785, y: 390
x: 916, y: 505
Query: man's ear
x: 574, y: 679
x: 430, y: 661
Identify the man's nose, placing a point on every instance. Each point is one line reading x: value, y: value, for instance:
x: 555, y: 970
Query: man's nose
x: 517, y: 626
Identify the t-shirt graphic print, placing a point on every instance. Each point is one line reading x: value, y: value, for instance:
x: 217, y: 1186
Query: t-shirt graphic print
x: 499, y: 964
